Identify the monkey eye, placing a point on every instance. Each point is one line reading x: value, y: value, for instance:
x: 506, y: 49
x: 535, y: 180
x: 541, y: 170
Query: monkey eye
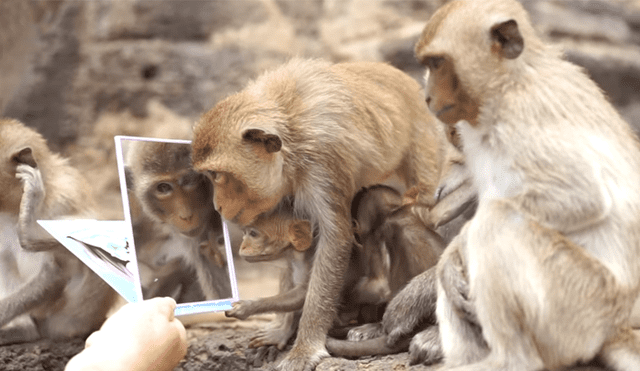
x: 253, y: 233
x: 433, y: 63
x: 218, y: 178
x: 164, y: 188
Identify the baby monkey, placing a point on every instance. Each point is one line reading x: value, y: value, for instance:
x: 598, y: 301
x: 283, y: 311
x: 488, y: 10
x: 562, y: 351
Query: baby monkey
x: 396, y: 246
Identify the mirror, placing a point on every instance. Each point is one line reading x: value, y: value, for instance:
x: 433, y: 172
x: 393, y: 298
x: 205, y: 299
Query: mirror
x: 182, y: 246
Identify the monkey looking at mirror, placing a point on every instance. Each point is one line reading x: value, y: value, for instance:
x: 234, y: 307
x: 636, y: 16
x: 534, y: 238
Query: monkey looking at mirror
x: 553, y: 252
x: 174, y: 201
x: 317, y: 132
x: 40, y: 277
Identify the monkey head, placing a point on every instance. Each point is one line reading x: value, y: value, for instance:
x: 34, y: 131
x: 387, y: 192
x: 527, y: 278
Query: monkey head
x: 20, y: 145
x: 463, y: 38
x: 270, y: 236
x: 167, y: 187
x: 237, y: 146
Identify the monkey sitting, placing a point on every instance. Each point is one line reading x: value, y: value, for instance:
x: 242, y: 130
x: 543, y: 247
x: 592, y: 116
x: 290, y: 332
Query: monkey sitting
x: 64, y: 297
x: 552, y: 254
x: 174, y: 202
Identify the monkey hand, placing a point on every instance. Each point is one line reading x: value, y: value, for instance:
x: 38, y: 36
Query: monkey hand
x: 426, y: 347
x: 366, y: 332
x: 303, y: 357
x: 242, y: 309
x: 411, y: 307
x: 278, y: 336
x: 33, y: 188
x: 256, y: 357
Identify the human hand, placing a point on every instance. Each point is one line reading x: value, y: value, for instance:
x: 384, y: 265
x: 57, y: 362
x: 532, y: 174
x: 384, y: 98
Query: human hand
x: 140, y: 336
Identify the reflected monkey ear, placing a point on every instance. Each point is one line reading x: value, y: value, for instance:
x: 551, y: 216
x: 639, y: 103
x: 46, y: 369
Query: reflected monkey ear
x: 271, y: 142
x: 507, y: 37
x: 25, y: 156
x: 300, y: 235
x: 128, y: 178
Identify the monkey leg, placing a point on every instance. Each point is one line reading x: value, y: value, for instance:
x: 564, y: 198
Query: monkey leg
x: 541, y: 300
x: 462, y: 340
x: 425, y: 347
x: 622, y: 351
x: 364, y: 348
x: 327, y: 273
x: 411, y: 308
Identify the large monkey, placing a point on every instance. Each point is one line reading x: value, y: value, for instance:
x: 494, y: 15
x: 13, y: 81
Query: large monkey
x: 173, y: 195
x: 317, y: 133
x: 64, y: 297
x: 553, y: 252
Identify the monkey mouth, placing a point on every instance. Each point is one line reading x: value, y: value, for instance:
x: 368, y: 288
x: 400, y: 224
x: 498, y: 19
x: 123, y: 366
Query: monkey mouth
x: 193, y: 232
x: 258, y: 258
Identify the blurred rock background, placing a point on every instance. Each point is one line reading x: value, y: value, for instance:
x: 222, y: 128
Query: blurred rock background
x: 81, y: 72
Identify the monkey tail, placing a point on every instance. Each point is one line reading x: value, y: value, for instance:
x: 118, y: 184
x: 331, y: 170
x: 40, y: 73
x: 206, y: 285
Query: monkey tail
x: 370, y: 347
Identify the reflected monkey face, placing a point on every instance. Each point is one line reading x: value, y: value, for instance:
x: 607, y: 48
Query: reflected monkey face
x: 183, y: 201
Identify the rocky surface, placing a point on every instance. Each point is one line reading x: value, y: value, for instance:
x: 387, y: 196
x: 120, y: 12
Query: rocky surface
x: 82, y: 72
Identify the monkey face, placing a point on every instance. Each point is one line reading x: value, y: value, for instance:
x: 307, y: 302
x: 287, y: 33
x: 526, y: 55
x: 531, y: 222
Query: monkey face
x: 272, y: 235
x: 183, y: 201
x: 446, y: 97
x: 236, y: 202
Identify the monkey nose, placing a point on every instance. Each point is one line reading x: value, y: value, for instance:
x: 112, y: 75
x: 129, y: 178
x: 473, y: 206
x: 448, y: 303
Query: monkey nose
x: 428, y: 100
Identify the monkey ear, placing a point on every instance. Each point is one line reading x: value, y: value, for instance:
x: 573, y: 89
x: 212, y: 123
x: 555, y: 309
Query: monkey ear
x: 25, y: 156
x: 272, y: 143
x: 300, y: 235
x: 508, y: 37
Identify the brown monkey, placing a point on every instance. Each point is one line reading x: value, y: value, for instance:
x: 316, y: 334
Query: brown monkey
x: 553, y: 252
x: 64, y: 297
x: 274, y: 236
x: 178, y: 200
x: 317, y: 132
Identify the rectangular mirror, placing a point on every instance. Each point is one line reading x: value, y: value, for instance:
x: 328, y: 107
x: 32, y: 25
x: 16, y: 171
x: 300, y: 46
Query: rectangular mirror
x: 181, y: 245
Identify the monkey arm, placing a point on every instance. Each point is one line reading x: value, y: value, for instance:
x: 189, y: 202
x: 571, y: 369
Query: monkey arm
x: 453, y: 204
x: 43, y: 288
x: 580, y: 197
x: 32, y: 237
x: 284, y: 302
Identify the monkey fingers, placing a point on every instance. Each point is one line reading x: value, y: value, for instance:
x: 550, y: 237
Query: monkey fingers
x: 278, y: 336
x: 241, y: 310
x: 426, y: 347
x: 366, y: 332
x: 302, y: 357
x: 256, y: 357
x: 453, y: 204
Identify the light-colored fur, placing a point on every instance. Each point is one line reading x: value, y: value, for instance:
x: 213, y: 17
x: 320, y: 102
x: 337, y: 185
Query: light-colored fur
x: 553, y: 251
x: 317, y: 133
x: 62, y: 295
